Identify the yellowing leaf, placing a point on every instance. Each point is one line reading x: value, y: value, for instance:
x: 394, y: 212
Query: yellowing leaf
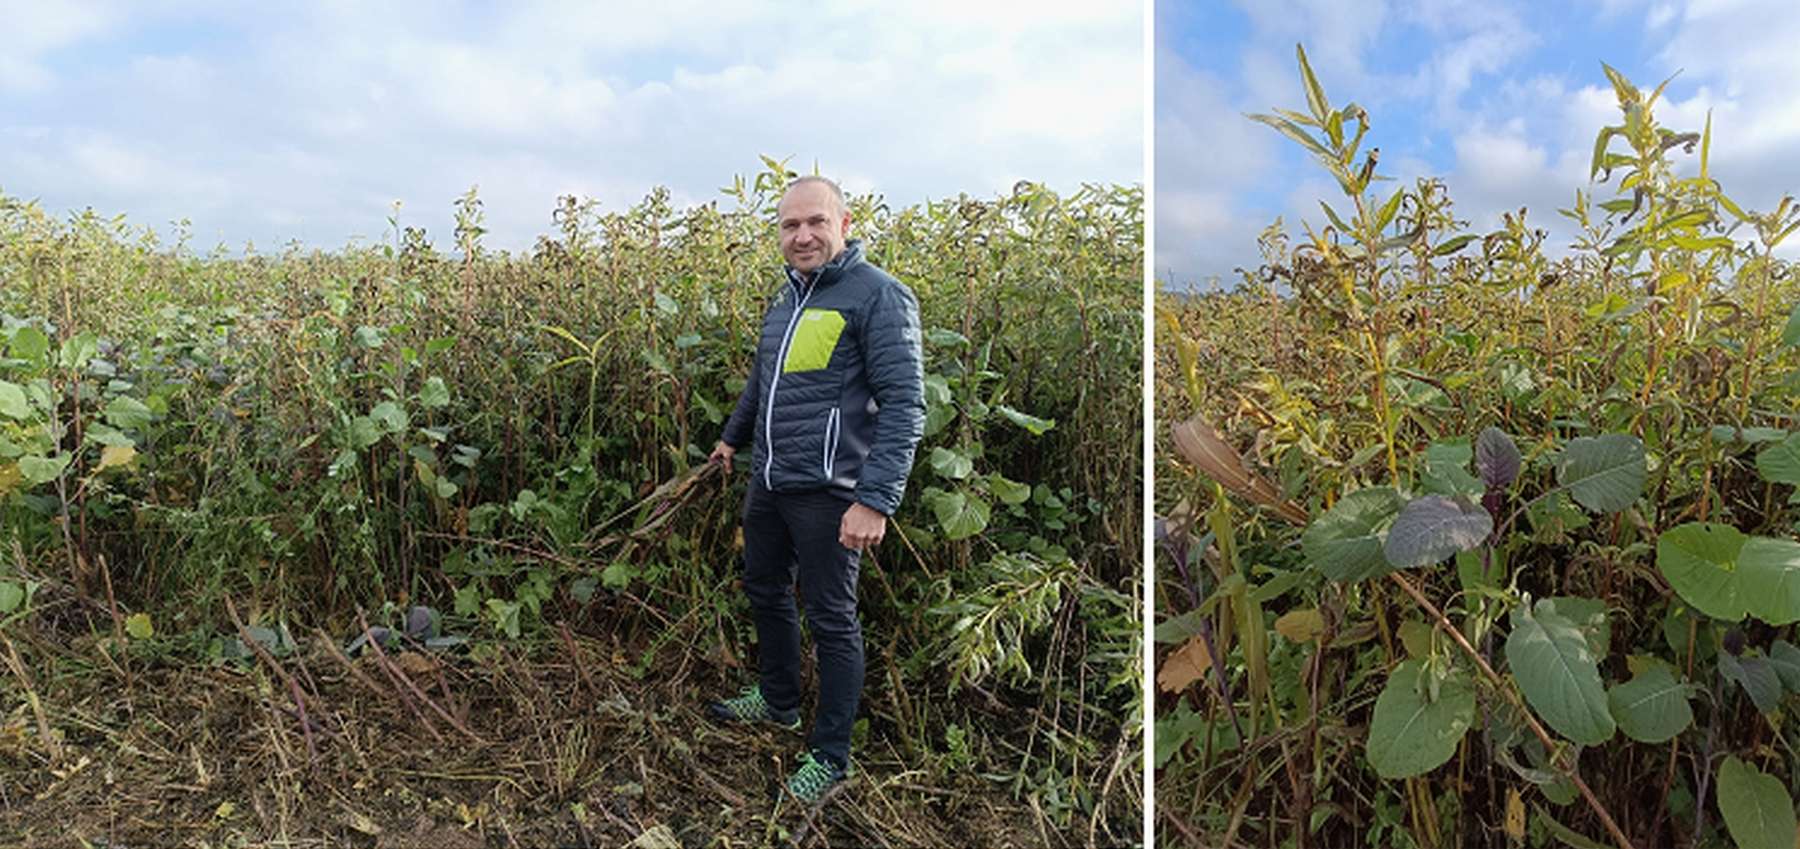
x: 1300, y: 626
x: 1515, y: 815
x: 1184, y: 666
x: 225, y: 810
x: 139, y: 627
x: 116, y: 455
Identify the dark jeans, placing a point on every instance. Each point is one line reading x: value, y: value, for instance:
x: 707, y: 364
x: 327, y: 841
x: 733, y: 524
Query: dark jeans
x: 783, y: 531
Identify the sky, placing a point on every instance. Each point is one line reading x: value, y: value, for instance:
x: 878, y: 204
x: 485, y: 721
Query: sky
x: 269, y: 123
x: 1501, y: 99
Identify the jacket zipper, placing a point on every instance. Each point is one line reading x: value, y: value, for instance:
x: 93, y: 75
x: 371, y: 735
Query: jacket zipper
x: 831, y: 438
x: 787, y: 338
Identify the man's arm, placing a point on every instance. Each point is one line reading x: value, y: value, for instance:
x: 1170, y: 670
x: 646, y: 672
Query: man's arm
x: 895, y: 365
x: 741, y: 427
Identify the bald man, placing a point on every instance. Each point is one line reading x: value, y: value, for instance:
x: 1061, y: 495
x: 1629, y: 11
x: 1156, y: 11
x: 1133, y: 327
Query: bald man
x: 833, y: 410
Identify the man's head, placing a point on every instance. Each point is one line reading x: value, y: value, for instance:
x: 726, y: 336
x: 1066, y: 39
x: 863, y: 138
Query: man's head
x: 814, y: 223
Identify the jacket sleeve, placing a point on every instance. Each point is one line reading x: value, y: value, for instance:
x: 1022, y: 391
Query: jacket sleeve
x: 741, y: 427
x: 894, y: 363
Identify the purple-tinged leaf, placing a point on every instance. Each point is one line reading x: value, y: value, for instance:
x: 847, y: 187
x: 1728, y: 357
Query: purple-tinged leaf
x: 1496, y: 458
x: 421, y: 622
x: 1432, y: 528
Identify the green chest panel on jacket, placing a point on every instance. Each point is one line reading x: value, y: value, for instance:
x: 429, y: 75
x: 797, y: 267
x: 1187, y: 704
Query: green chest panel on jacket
x: 815, y: 337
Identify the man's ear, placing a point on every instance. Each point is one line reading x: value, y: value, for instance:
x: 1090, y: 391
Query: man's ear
x: 844, y: 226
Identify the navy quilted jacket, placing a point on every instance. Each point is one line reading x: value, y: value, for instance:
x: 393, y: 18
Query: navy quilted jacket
x: 836, y: 399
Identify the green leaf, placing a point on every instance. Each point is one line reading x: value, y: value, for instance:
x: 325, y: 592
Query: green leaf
x: 434, y: 393
x: 1653, y: 707
x: 38, y: 470
x: 1450, y: 246
x: 1315, y: 93
x: 11, y: 596
x: 1447, y: 469
x: 77, y: 350
x: 1603, y: 473
x: 1700, y: 561
x: 1412, y: 734
x: 1780, y: 463
x: 1345, y: 543
x: 1749, y: 435
x: 1496, y: 458
x: 1588, y: 614
x: 1786, y: 660
x: 1556, y: 670
x: 1432, y: 528
x: 389, y: 416
x: 1758, y: 811
x: 1757, y: 676
x: 138, y: 626
x: 960, y: 514
x: 123, y: 412
x: 1569, y: 837
x: 1768, y: 576
x: 12, y: 401
x: 951, y: 464
x: 30, y: 344
x: 364, y: 432
x: 1790, y: 335
x: 1009, y: 491
x: 1033, y: 424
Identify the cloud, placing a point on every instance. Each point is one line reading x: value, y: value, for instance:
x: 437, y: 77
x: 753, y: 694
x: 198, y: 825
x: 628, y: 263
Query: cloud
x: 306, y: 121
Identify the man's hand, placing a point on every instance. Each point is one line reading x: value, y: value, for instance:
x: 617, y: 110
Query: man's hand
x: 722, y: 454
x: 862, y: 527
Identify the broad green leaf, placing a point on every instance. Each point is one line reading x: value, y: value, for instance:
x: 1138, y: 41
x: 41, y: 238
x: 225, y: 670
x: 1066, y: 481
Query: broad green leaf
x: 364, y: 432
x: 12, y: 401
x: 1006, y: 489
x: 1412, y: 734
x: 951, y: 464
x: 1432, y: 528
x: 11, y: 596
x: 77, y: 350
x: 1758, y: 677
x: 1700, y: 561
x: 1780, y: 463
x: 1786, y: 660
x: 1447, y: 469
x: 138, y: 626
x: 389, y: 416
x: 1758, y: 811
x: 1033, y: 424
x: 1555, y: 669
x: 36, y: 470
x: 1603, y: 473
x: 1653, y: 707
x: 1588, y: 614
x: 434, y: 393
x: 1768, y: 576
x: 1790, y: 335
x: 123, y: 412
x: 30, y: 344
x: 961, y: 515
x: 1345, y: 542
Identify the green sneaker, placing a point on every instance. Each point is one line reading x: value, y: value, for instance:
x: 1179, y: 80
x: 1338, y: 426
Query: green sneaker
x: 815, y: 778
x: 749, y: 706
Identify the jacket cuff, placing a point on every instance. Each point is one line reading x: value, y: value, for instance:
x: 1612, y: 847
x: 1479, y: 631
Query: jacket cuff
x: 876, y: 503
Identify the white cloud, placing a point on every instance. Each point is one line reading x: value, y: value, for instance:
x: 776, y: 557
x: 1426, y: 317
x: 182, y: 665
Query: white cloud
x: 315, y: 116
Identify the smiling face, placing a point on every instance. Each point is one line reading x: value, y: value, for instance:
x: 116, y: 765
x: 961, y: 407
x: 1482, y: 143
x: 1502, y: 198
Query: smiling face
x: 814, y: 225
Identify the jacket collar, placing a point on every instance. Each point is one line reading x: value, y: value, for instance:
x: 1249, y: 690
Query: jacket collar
x: 830, y: 271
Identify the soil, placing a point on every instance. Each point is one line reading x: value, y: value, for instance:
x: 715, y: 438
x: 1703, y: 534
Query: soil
x: 566, y: 747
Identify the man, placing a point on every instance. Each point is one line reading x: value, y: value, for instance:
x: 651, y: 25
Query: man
x: 834, y: 408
